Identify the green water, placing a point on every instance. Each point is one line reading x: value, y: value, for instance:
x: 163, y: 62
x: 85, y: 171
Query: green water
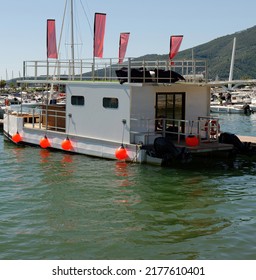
x: 59, y: 206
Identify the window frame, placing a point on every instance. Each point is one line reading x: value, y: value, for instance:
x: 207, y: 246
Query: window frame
x: 110, y: 102
x: 80, y: 100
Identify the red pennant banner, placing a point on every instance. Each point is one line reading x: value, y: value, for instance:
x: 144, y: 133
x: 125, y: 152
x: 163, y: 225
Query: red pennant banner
x: 175, y: 42
x: 51, y: 39
x: 99, y: 33
x: 123, y: 42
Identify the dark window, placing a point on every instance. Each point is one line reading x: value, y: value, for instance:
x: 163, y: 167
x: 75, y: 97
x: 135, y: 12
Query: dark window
x: 77, y: 100
x: 110, y: 102
x: 170, y: 106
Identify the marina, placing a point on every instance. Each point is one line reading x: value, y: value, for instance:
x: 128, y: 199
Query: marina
x: 126, y: 159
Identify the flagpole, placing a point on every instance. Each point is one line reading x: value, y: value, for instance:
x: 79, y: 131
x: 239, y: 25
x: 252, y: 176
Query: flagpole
x: 47, y: 73
x: 93, y: 54
x: 93, y: 67
x: 72, y: 43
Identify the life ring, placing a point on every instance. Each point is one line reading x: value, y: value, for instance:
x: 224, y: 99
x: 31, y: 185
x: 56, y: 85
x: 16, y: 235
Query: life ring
x: 213, y: 125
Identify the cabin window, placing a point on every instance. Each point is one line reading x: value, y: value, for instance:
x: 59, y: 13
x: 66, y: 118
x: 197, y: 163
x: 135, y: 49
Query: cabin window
x: 110, y: 102
x: 77, y: 100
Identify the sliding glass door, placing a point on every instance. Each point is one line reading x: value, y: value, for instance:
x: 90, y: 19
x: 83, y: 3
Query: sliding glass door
x: 170, y: 106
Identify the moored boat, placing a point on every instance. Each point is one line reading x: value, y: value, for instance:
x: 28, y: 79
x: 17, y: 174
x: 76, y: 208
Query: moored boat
x: 229, y: 109
x: 99, y: 117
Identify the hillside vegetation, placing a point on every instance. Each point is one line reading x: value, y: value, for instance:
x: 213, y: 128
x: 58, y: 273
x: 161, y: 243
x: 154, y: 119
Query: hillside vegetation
x: 218, y: 53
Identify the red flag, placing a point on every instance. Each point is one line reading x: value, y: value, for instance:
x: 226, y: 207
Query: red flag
x: 99, y: 32
x: 123, y: 42
x: 51, y: 39
x: 175, y: 42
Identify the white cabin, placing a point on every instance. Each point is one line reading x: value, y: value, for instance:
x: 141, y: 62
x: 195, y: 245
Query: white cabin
x: 100, y: 110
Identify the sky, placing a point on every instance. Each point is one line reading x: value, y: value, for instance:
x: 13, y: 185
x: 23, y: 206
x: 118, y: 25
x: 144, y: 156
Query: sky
x: 150, y: 23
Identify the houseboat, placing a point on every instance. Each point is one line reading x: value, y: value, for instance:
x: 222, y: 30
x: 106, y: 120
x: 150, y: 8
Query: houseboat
x: 118, y: 108
x: 142, y: 112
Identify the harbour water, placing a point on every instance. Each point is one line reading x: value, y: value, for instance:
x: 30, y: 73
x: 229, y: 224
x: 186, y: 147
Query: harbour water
x: 60, y: 206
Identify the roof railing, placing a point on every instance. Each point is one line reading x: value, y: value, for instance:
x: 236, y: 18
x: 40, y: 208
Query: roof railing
x: 106, y: 70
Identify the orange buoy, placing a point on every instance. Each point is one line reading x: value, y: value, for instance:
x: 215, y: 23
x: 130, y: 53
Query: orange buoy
x: 192, y: 140
x: 45, y: 143
x: 66, y: 144
x: 121, y: 153
x: 16, y: 137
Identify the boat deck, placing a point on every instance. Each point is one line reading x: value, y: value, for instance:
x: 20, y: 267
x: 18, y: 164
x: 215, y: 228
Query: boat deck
x: 251, y: 139
x: 207, y: 147
x: 204, y: 147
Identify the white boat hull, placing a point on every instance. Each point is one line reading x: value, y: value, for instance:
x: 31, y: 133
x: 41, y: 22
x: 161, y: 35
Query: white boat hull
x: 227, y: 109
x: 80, y: 145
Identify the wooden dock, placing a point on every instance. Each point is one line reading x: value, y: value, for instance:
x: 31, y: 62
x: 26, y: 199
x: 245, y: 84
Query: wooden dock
x: 251, y: 139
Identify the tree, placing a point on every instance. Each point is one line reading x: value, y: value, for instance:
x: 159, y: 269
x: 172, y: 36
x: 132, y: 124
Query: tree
x: 12, y: 86
x: 2, y: 84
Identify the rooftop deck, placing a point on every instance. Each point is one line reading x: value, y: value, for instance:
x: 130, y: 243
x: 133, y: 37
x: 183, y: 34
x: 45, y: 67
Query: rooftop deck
x: 106, y: 70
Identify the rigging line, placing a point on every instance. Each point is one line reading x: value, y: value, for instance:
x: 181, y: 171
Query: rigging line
x: 61, y: 32
x: 58, y: 50
x: 77, y: 34
x: 87, y: 18
x: 62, y: 25
x: 67, y: 44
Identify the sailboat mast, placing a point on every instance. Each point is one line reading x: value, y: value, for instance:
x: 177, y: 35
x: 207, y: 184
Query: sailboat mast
x: 72, y: 42
x: 232, y: 64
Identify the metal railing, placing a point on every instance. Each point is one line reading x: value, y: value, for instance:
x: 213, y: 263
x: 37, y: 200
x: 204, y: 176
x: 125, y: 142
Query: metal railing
x: 47, y: 119
x: 206, y: 129
x: 105, y: 70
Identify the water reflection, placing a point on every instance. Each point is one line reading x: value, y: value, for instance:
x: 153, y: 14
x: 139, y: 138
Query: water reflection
x: 122, y: 174
x: 44, y: 154
x: 67, y: 158
x: 180, y: 207
x: 125, y: 182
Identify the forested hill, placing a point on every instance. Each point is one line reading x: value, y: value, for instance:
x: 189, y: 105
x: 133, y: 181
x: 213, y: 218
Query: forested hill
x: 218, y: 53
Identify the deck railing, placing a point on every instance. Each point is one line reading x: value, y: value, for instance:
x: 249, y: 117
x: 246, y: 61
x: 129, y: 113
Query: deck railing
x: 206, y: 129
x: 105, y: 69
x: 46, y: 118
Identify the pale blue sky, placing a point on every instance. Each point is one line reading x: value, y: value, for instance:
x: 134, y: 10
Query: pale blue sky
x: 151, y: 23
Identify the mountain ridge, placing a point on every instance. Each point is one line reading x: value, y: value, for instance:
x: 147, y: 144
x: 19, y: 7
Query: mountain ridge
x: 217, y: 53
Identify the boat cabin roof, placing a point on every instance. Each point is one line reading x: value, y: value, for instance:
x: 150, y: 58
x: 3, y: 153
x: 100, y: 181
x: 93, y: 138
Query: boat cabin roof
x: 108, y: 70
